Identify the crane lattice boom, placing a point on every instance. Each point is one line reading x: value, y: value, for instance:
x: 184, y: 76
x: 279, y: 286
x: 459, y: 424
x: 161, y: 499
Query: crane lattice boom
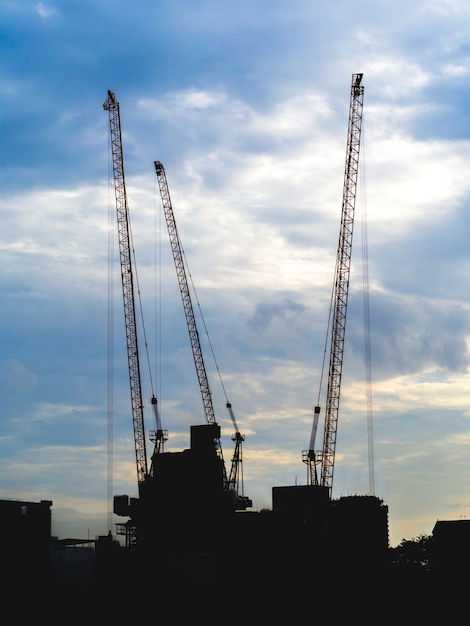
x: 187, y: 305
x: 112, y: 106
x: 341, y: 284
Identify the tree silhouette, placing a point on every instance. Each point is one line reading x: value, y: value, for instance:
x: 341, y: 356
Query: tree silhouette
x: 412, y: 557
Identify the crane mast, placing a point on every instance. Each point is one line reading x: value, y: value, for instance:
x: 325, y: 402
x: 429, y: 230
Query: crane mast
x: 112, y: 106
x: 188, y: 307
x: 340, y: 298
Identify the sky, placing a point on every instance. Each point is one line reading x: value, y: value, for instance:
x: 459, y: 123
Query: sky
x: 246, y: 105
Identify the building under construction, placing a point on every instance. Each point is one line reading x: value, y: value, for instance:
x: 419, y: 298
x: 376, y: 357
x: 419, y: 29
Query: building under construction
x: 189, y: 531
x: 189, y: 521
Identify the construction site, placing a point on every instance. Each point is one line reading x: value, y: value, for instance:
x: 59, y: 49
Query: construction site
x: 191, y: 522
x: 190, y: 502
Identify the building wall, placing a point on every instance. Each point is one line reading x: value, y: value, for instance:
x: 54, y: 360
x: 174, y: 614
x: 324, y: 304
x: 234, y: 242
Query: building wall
x: 26, y: 534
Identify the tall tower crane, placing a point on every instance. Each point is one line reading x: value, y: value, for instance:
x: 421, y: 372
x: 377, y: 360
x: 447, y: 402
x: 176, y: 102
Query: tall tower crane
x: 124, y: 234
x: 188, y: 309
x: 326, y: 458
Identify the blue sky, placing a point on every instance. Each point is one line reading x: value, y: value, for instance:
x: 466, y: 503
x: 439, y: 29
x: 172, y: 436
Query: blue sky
x: 246, y: 105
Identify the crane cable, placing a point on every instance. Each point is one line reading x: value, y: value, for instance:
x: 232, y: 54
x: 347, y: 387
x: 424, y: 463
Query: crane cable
x: 110, y: 349
x: 110, y: 315
x: 325, y: 350
x: 203, y: 322
x: 157, y: 290
x: 328, y: 326
x: 367, y: 350
x: 188, y: 271
x: 238, y: 438
x: 141, y: 312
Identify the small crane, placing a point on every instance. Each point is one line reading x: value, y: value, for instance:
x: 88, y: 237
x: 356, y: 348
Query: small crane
x: 326, y: 458
x: 235, y: 479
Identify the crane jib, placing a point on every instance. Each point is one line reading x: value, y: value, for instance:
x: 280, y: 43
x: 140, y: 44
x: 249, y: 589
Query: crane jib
x: 112, y: 106
x: 326, y: 457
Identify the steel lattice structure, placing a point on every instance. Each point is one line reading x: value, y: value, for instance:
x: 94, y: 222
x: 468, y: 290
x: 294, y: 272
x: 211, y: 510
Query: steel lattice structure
x: 341, y: 284
x: 112, y: 106
x: 187, y: 305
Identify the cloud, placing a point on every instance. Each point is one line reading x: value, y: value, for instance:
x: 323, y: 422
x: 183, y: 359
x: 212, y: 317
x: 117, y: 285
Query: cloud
x: 45, y: 11
x: 17, y: 376
x: 266, y: 311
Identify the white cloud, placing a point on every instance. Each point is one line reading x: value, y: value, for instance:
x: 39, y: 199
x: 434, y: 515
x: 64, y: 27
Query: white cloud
x: 46, y: 11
